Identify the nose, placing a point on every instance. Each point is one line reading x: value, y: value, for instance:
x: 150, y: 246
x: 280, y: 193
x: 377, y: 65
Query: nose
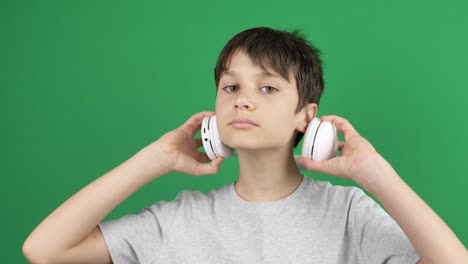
x: 244, y: 103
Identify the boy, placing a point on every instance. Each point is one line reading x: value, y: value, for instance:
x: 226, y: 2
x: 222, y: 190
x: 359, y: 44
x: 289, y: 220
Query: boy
x: 271, y: 80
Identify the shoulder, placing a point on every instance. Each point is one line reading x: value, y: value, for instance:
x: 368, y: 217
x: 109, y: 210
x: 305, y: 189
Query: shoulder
x: 329, y: 191
x: 199, y: 197
x: 188, y: 202
x: 329, y: 196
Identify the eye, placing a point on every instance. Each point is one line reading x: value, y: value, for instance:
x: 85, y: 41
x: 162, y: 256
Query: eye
x: 269, y: 89
x: 230, y: 88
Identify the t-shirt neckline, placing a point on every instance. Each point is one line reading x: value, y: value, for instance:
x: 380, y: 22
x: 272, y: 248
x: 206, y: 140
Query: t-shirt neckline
x: 238, y: 200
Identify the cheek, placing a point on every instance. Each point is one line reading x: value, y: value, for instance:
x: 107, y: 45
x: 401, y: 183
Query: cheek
x: 283, y: 123
x: 220, y: 103
x: 220, y: 111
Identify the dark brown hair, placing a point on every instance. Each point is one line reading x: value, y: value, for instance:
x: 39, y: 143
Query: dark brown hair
x: 284, y: 52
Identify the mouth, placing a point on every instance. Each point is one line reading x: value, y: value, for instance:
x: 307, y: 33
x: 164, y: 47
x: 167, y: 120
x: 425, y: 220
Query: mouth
x: 243, y: 123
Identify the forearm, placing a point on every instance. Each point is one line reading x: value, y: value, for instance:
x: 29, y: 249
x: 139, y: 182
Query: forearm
x: 433, y: 240
x: 80, y: 214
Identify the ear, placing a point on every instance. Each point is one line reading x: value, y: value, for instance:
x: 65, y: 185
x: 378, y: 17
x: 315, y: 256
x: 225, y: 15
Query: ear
x: 305, y: 115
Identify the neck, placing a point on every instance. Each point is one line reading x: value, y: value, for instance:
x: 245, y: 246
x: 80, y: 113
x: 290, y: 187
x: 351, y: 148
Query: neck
x: 266, y: 175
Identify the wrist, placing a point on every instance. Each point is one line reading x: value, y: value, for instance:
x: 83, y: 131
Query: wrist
x: 152, y: 164
x: 375, y: 174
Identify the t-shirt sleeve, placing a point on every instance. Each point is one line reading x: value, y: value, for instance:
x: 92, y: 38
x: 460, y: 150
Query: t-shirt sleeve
x: 378, y: 236
x: 138, y: 238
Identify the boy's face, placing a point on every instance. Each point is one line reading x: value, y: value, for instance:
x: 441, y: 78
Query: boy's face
x: 246, y: 91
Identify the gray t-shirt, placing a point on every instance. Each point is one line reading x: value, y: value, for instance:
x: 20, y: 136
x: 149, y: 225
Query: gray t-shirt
x: 317, y: 223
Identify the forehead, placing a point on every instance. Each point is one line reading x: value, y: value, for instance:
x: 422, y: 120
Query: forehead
x: 240, y: 64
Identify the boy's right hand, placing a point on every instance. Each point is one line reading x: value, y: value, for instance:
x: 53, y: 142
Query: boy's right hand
x: 177, y: 150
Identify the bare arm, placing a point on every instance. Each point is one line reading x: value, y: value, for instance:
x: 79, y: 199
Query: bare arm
x: 69, y: 224
x: 70, y: 233
x: 432, y: 239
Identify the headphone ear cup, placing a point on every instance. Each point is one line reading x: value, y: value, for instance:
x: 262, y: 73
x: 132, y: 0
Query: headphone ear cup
x: 211, y: 141
x: 309, y: 138
x: 320, y: 140
x: 206, y: 138
x: 220, y: 149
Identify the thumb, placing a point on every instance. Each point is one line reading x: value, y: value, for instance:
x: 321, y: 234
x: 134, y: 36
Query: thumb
x: 322, y: 166
x: 217, y: 162
x: 208, y: 168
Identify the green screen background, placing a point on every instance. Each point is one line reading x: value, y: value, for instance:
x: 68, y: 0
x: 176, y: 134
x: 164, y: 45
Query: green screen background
x: 86, y: 84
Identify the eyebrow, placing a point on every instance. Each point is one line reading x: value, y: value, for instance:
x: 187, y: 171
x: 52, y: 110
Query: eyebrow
x: 261, y: 74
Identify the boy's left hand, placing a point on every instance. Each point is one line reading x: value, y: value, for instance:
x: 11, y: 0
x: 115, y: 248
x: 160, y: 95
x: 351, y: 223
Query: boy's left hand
x: 358, y: 157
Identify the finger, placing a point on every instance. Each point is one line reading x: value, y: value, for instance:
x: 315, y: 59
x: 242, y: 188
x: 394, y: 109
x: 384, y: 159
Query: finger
x: 193, y: 124
x: 322, y: 166
x: 208, y: 168
x: 342, y: 125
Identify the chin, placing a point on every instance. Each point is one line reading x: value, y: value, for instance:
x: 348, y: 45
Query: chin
x: 250, y: 144
x: 242, y: 142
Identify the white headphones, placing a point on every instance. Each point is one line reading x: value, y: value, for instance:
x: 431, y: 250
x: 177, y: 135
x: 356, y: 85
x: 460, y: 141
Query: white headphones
x: 320, y: 140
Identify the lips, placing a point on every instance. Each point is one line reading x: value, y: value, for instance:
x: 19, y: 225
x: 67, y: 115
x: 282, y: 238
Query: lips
x: 243, y: 122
